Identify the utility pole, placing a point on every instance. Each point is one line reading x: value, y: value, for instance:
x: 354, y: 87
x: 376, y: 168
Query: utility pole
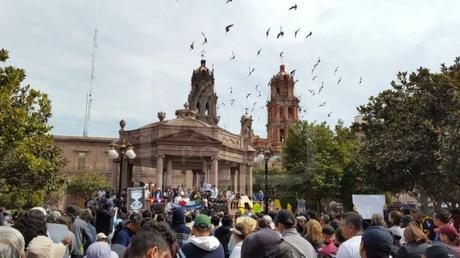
x: 89, y: 95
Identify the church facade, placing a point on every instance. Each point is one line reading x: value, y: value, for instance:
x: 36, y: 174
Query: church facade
x: 190, y: 149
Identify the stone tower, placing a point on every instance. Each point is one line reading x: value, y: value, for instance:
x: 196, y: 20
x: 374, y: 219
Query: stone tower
x: 283, y: 108
x: 202, y: 97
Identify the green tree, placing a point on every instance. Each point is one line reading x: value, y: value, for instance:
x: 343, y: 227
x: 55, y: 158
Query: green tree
x: 315, y: 157
x: 29, y: 159
x: 85, y: 183
x: 411, y: 134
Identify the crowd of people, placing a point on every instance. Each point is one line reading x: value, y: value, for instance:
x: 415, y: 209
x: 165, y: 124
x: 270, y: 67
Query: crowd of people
x: 106, y: 231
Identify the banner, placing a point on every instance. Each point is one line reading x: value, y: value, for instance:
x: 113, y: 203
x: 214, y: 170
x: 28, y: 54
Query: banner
x: 136, y: 198
x: 367, y: 205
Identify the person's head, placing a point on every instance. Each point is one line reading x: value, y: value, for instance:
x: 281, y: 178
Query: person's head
x: 30, y: 225
x: 377, y: 220
x: 300, y: 221
x: 264, y: 222
x: 325, y: 219
x: 262, y: 243
x: 54, y: 217
x: 248, y: 220
x: 227, y: 221
x: 86, y: 216
x: 11, y: 243
x: 65, y: 220
x: 134, y: 223
x: 147, y: 214
x: 149, y: 242
x: 43, y: 247
x: 439, y: 251
x: 413, y: 234
x: 314, y: 230
x: 162, y: 228
x: 351, y: 224
x: 441, y: 218
x: 395, y: 218
x: 202, y: 226
x: 215, y: 220
x: 376, y: 242
x: 448, y: 234
x: 328, y: 233
x: 284, y: 220
x: 100, y: 250
x: 241, y: 231
x: 406, y: 220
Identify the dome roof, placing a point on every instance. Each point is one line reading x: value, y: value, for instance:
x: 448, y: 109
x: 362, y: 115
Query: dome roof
x: 282, y: 74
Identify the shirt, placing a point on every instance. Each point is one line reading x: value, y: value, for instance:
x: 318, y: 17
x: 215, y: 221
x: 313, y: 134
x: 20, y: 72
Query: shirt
x: 350, y: 248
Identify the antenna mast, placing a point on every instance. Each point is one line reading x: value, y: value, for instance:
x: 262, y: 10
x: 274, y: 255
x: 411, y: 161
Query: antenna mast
x: 89, y: 95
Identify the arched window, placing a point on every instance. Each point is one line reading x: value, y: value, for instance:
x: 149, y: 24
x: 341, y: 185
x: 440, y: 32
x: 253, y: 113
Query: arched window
x: 198, y: 106
x: 281, y: 112
x: 290, y: 113
x: 278, y: 90
x: 282, y: 135
x: 207, y: 109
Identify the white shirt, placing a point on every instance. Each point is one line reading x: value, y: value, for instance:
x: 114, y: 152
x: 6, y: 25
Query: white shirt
x: 236, y: 252
x: 350, y: 248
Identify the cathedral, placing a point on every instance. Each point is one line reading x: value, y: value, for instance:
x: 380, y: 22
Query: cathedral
x: 190, y: 149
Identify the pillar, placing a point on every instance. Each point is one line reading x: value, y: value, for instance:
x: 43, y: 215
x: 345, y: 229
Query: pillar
x: 234, y: 180
x: 205, y: 170
x: 242, y: 179
x: 215, y: 172
x: 188, y: 179
x: 169, y: 173
x: 159, y: 182
x: 250, y: 181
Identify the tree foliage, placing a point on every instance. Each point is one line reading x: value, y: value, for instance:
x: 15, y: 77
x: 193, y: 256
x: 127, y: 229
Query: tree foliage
x: 29, y: 159
x: 315, y: 158
x: 85, y: 183
x: 411, y: 133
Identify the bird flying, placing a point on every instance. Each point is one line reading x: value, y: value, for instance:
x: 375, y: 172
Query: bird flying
x: 295, y: 33
x: 281, y: 33
x: 227, y: 28
x: 322, y: 104
x: 294, y: 7
x: 233, y: 56
x: 336, y: 69
x: 340, y: 79
x: 192, y: 46
x: 205, y: 40
x: 249, y: 94
x: 267, y: 32
x: 309, y: 35
x: 258, y: 52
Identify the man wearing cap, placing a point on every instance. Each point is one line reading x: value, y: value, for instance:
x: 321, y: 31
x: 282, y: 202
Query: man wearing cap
x: 376, y: 242
x: 350, y: 227
x: 124, y: 234
x: 202, y: 244
x: 285, y: 224
x: 449, y: 236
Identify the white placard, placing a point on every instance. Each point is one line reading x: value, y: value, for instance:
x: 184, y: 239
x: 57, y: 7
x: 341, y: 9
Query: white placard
x: 366, y: 205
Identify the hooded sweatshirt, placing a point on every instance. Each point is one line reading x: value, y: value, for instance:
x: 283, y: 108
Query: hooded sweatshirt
x: 180, y: 229
x: 202, y: 247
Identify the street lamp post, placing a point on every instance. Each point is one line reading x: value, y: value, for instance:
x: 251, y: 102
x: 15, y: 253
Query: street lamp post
x: 120, y: 150
x: 265, y: 159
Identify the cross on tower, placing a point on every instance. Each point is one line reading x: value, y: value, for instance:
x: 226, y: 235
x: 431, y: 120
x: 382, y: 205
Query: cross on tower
x: 203, y: 52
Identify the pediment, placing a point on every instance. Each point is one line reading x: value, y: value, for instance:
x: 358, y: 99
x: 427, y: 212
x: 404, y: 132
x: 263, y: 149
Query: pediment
x: 188, y: 136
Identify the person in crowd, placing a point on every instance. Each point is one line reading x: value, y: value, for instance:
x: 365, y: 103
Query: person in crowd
x: 351, y: 229
x: 265, y: 222
x: 11, y: 243
x: 31, y: 225
x: 395, y: 230
x: 104, y: 218
x: 377, y: 220
x: 455, y: 217
x: 202, y: 244
x: 449, y: 236
x: 43, y: 247
x: 325, y: 219
x: 415, y: 245
x: 223, y: 233
x: 100, y: 250
x: 83, y: 236
x: 87, y: 217
x: 58, y: 232
x: 151, y: 242
x: 314, y: 234
x: 376, y: 242
x: 338, y: 237
x: 147, y: 214
x: 285, y: 224
x: 328, y: 248
x: 182, y: 232
x: 101, y: 237
x: 300, y: 224
x: 240, y: 232
x: 441, y: 218
x: 124, y: 233
x: 439, y: 250
x: 215, y: 220
x: 266, y: 243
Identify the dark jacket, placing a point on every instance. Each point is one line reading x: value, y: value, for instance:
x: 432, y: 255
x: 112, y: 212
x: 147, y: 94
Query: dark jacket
x: 180, y: 229
x: 122, y: 236
x: 223, y: 234
x: 103, y: 221
x: 202, y: 247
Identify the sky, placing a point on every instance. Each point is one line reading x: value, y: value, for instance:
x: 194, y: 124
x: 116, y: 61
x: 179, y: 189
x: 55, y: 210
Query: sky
x: 143, y: 63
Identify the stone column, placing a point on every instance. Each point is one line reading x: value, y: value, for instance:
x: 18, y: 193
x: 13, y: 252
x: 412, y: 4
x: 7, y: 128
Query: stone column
x: 159, y: 182
x: 234, y: 180
x: 215, y: 172
x: 205, y: 170
x: 188, y: 179
x: 242, y: 177
x: 115, y: 166
x: 169, y: 172
x: 250, y: 181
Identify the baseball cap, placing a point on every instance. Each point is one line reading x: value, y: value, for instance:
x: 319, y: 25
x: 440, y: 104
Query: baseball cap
x: 377, y: 241
x: 286, y: 218
x: 439, y: 250
x: 100, y: 250
x: 202, y: 221
x: 101, y: 236
x: 260, y: 244
x: 301, y: 217
x: 447, y: 229
x: 42, y: 246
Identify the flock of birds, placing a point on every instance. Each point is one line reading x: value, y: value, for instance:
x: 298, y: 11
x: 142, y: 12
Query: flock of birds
x: 251, y: 70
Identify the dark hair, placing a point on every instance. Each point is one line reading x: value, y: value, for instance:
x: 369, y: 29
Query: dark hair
x: 353, y: 219
x: 326, y: 218
x: 443, y: 216
x: 147, y: 214
x: 152, y: 234
x: 215, y: 220
x: 339, y: 237
x: 73, y: 212
x: 328, y: 230
x: 312, y: 214
x: 65, y: 220
x: 395, y: 217
x: 406, y: 220
x: 87, y: 216
x: 31, y: 226
x: 227, y: 221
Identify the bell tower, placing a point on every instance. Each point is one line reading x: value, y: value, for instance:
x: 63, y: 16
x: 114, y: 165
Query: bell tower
x: 202, y: 97
x: 282, y: 108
